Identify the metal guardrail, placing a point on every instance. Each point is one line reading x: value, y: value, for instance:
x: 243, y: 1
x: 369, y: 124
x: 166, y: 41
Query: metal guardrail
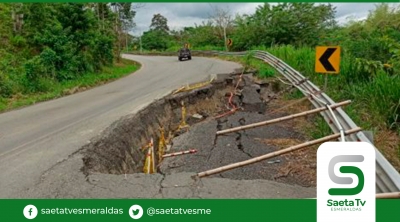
x: 387, y: 178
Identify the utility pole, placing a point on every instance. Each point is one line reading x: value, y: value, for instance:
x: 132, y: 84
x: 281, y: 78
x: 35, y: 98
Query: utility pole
x: 226, y: 44
x: 126, y: 40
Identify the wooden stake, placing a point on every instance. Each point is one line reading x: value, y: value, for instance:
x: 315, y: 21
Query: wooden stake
x: 395, y: 195
x: 276, y: 153
x: 264, y: 123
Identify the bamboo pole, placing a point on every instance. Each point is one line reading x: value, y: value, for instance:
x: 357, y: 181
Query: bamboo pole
x: 394, y: 195
x: 179, y: 90
x: 288, y: 89
x: 179, y: 153
x: 289, y: 105
x: 274, y: 154
x: 264, y: 123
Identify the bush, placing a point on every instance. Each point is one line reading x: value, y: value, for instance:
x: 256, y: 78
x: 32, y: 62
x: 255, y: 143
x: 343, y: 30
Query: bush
x: 18, y: 41
x: 102, y: 53
x: 38, y: 76
x: 48, y: 59
x: 34, y: 69
x: 44, y: 85
x: 6, y: 86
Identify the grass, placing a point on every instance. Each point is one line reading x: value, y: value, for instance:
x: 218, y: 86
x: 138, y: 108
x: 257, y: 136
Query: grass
x: 59, y: 89
x: 264, y: 70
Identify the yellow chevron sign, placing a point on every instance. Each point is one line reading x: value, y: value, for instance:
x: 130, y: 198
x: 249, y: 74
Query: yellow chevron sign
x: 229, y: 42
x: 327, y: 59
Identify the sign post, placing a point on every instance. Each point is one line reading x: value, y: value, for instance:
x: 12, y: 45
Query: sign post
x: 327, y: 60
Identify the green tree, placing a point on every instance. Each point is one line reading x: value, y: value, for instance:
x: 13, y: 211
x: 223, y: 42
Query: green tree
x: 158, y: 37
x: 49, y: 42
x: 155, y: 40
x: 203, y: 35
x: 159, y: 23
x: 287, y: 23
x: 123, y: 22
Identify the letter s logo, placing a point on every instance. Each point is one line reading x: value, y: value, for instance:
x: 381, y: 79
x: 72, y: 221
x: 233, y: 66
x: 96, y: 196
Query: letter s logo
x: 346, y: 180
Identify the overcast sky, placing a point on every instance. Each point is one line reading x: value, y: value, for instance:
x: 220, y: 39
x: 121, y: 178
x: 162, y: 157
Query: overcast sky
x: 187, y: 14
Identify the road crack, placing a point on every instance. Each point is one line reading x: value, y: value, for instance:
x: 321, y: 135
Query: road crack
x: 240, y: 145
x: 219, y: 127
x: 160, y: 191
x: 46, y: 172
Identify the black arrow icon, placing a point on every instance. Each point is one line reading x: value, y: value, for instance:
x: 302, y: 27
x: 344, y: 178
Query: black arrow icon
x: 324, y: 59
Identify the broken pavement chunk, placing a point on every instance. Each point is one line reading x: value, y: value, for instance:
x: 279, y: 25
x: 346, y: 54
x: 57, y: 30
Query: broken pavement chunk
x: 251, y: 100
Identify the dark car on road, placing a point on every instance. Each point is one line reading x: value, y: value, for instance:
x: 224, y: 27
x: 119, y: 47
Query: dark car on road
x: 184, y: 53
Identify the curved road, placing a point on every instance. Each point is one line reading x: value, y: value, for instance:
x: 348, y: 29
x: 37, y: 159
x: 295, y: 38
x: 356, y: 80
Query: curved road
x: 36, y: 138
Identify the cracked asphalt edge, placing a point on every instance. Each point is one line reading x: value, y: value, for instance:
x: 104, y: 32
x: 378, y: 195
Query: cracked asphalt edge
x: 64, y: 180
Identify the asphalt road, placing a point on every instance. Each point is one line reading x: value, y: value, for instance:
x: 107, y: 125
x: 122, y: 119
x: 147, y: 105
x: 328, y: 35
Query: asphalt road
x: 39, y: 144
x: 36, y: 138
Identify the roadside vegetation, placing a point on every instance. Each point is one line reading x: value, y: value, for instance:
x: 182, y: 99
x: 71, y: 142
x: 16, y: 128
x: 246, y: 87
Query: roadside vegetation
x: 53, y: 49
x: 370, y: 58
x: 56, y: 89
